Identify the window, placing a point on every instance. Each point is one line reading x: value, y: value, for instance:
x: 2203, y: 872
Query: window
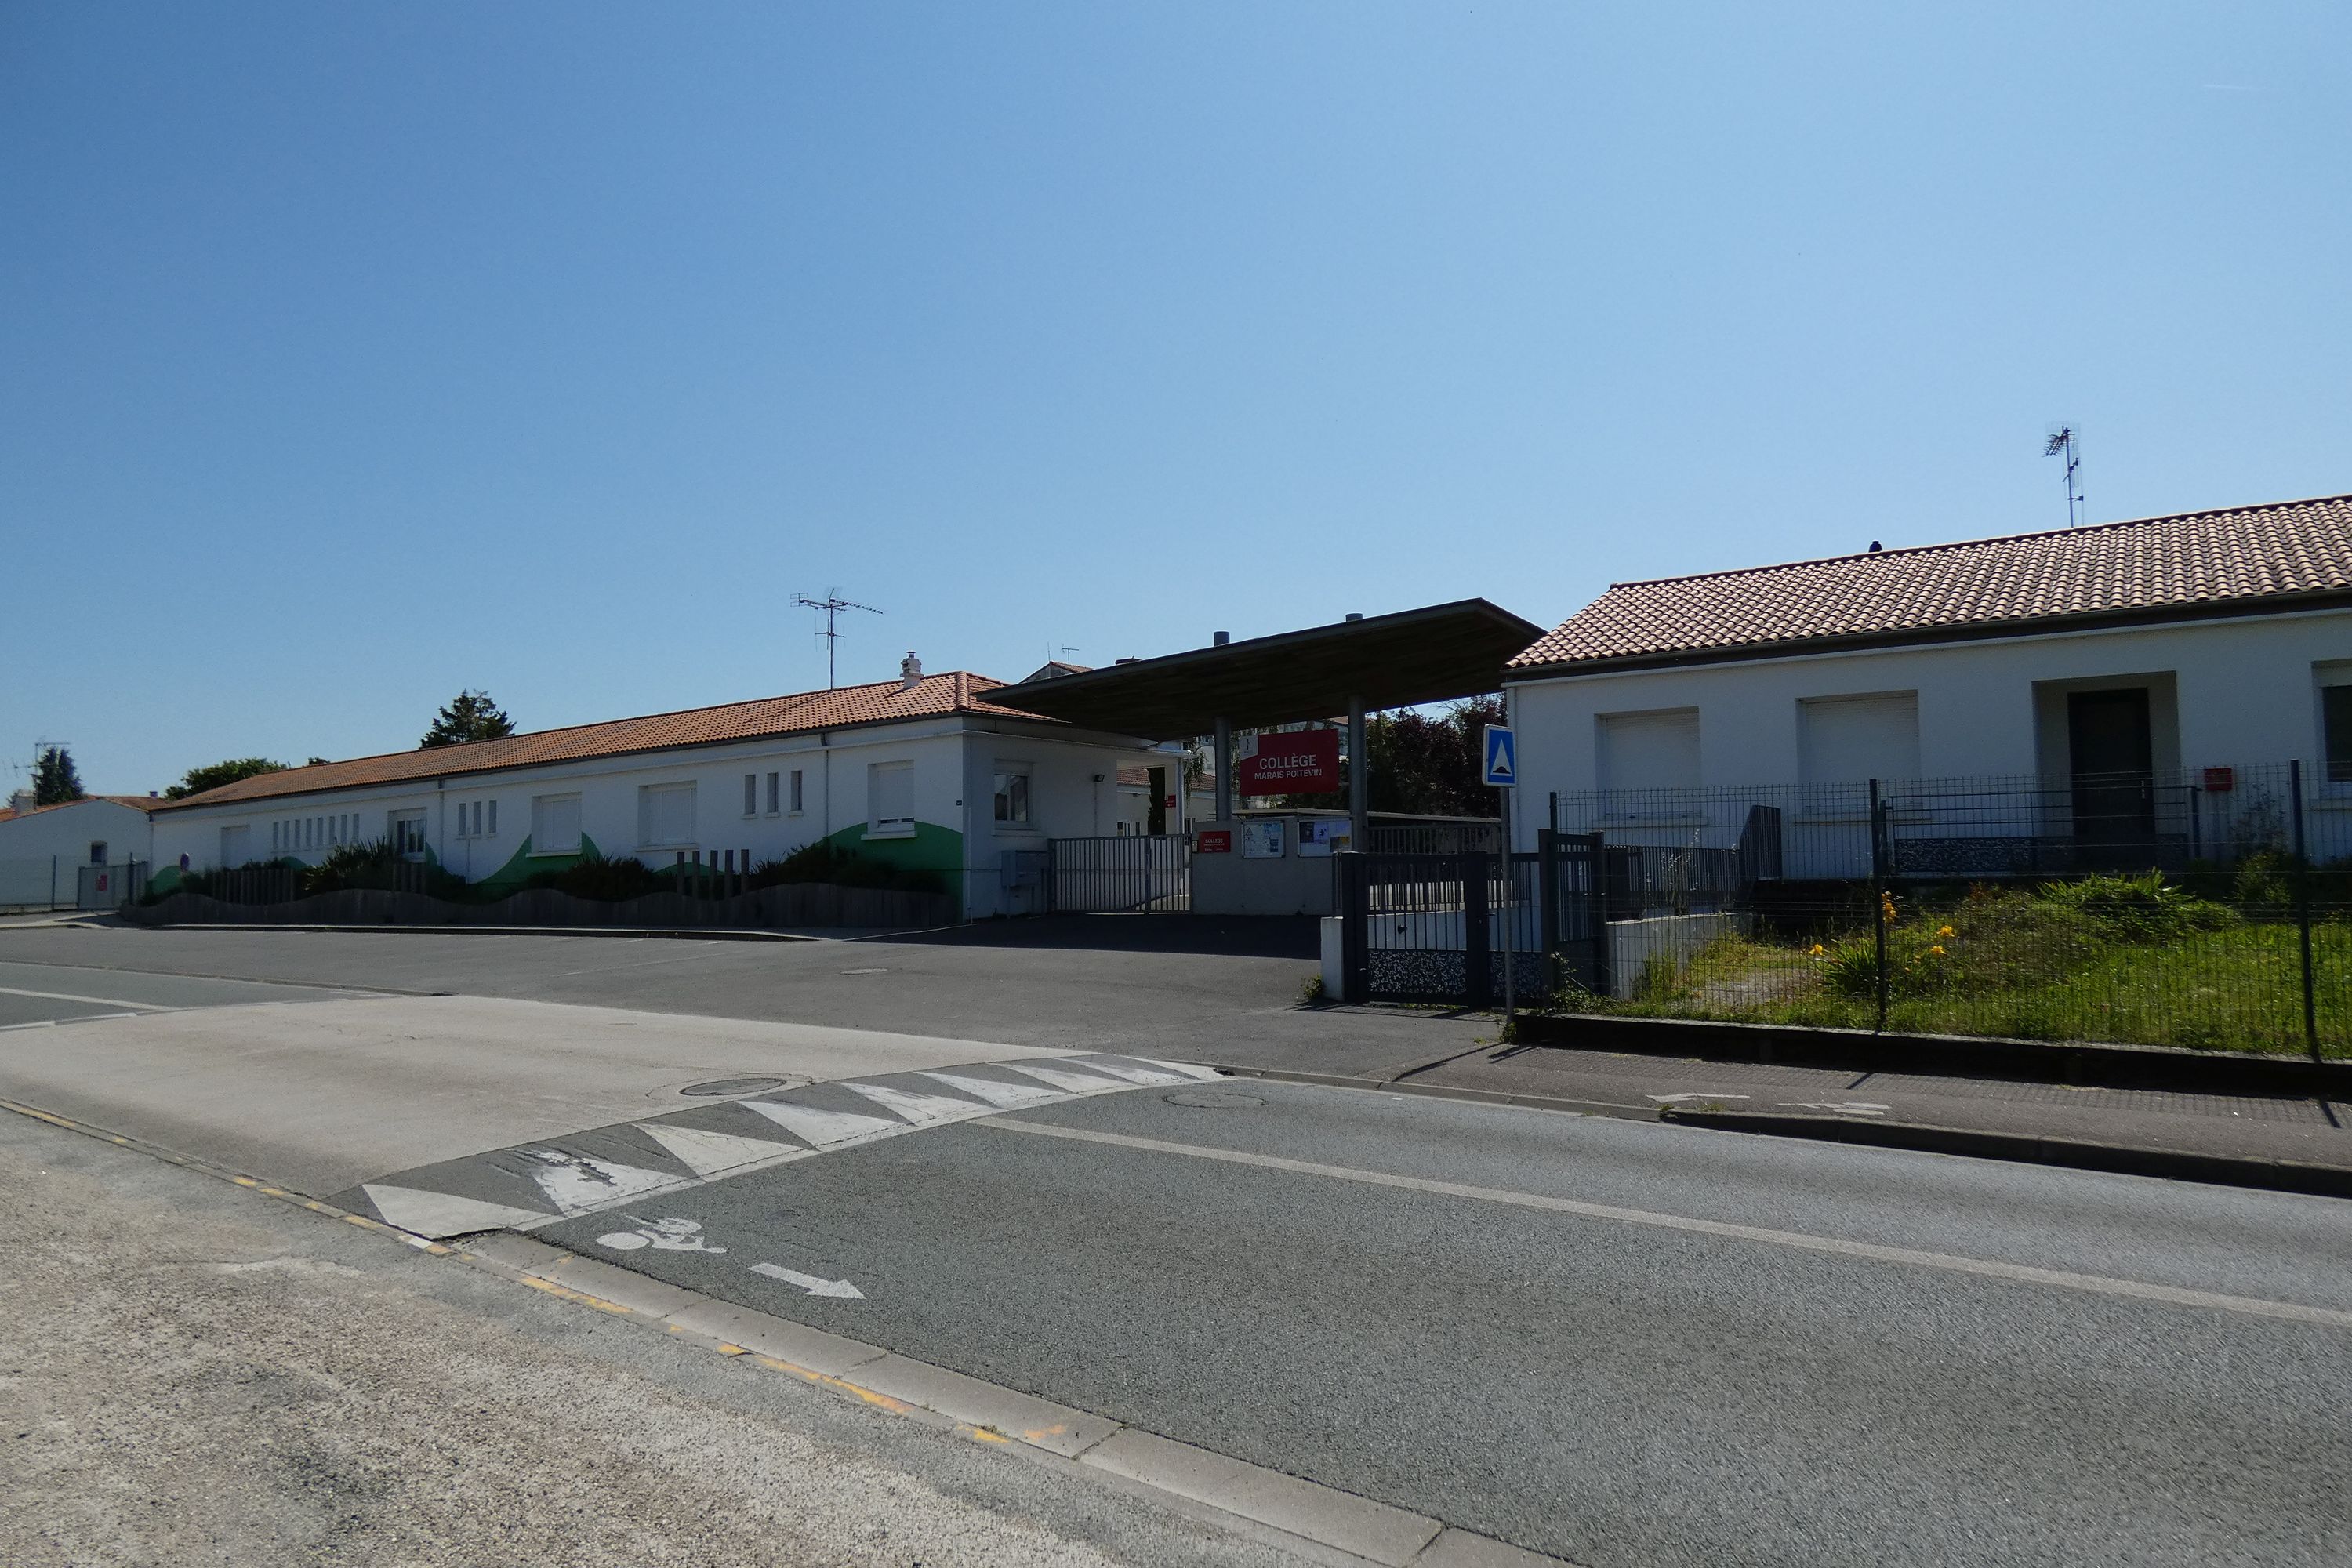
x: 772, y: 794
x: 890, y: 797
x: 750, y: 795
x: 1650, y: 751
x: 493, y: 829
x: 665, y: 814
x: 2335, y: 720
x: 98, y: 852
x: 797, y: 792
x: 1013, y: 793
x: 408, y: 834
x: 555, y: 824
x: 1852, y: 740
x: 273, y: 837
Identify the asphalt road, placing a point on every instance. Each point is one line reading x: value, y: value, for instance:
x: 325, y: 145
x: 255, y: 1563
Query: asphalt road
x: 38, y: 993
x: 1079, y: 984
x: 1618, y: 1389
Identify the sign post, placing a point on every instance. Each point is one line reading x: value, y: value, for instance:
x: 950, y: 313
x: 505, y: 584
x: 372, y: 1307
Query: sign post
x: 1500, y: 769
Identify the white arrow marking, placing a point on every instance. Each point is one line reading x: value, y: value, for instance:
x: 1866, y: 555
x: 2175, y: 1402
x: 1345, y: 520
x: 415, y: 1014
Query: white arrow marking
x: 810, y: 1283
x: 916, y: 1107
x: 709, y: 1152
x: 1013, y: 1095
x: 577, y: 1184
x: 817, y: 1127
x: 1076, y: 1082
x: 437, y: 1214
x: 1135, y: 1075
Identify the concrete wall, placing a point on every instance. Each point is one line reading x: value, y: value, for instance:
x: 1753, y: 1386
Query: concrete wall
x: 46, y: 848
x: 2241, y: 693
x: 1231, y: 884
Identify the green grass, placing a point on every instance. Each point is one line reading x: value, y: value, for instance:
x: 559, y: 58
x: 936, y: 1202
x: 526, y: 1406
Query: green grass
x: 2109, y: 959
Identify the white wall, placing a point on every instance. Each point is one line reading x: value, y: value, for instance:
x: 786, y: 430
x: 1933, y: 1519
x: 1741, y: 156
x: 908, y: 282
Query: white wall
x: 2245, y: 691
x: 67, y: 832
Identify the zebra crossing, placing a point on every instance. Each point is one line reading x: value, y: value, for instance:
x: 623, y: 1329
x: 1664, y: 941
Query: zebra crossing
x: 531, y: 1184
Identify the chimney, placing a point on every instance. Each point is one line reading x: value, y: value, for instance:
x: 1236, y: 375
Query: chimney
x: 910, y: 671
x: 22, y: 800
x: 1221, y: 639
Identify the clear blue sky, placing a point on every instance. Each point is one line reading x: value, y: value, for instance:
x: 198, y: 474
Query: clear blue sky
x: 352, y: 354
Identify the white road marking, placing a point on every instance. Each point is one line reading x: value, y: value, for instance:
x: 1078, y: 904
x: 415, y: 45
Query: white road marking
x: 579, y: 1184
x: 1693, y: 1094
x: 2285, y: 1311
x: 810, y: 1283
x: 918, y: 1107
x: 1137, y: 1075
x: 443, y: 1214
x: 53, y: 1022
x: 1061, y: 1077
x: 710, y: 1153
x: 1844, y: 1106
x: 812, y: 1125
x: 1010, y: 1096
x: 662, y: 1234
x: 1189, y: 1069
x: 93, y: 1001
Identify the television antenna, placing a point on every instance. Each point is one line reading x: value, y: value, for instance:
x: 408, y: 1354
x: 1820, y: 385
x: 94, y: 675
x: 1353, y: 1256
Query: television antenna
x: 2069, y: 445
x: 830, y: 607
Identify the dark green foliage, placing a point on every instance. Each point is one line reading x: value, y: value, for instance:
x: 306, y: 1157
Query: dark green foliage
x: 374, y: 865
x: 605, y: 881
x: 826, y: 862
x: 212, y: 775
x: 1423, y: 766
x: 468, y: 716
x: 55, y: 781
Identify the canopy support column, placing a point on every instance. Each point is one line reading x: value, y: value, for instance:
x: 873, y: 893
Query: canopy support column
x: 1359, y: 779
x: 1223, y: 764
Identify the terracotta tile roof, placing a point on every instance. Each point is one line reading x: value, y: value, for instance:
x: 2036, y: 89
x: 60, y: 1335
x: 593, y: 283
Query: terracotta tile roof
x: 935, y: 696
x: 135, y: 802
x: 2243, y: 558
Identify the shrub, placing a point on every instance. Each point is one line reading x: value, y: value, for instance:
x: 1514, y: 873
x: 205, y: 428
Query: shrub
x: 605, y: 881
x: 823, y: 861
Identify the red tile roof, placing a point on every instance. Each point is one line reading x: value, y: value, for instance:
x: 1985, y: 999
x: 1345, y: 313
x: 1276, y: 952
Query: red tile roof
x: 135, y: 802
x: 2242, y: 559
x: 933, y: 697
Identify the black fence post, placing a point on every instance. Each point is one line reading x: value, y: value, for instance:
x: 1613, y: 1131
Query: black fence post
x: 1472, y: 872
x: 1604, y: 951
x: 2303, y: 912
x: 1355, y: 897
x: 1881, y: 894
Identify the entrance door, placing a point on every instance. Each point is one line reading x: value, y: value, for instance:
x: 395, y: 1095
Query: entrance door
x: 2111, y: 752
x: 236, y: 846
x: 409, y: 834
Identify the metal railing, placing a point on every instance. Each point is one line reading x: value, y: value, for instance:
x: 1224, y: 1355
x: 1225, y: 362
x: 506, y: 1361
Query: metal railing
x: 1128, y: 873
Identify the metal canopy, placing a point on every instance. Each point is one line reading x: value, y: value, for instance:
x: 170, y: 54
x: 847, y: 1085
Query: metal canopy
x: 1385, y: 661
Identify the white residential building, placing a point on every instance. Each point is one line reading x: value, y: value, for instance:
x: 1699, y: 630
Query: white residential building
x: 46, y: 849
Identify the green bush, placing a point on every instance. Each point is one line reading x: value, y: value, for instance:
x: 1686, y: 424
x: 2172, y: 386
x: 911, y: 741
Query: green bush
x: 604, y: 881
x: 823, y: 861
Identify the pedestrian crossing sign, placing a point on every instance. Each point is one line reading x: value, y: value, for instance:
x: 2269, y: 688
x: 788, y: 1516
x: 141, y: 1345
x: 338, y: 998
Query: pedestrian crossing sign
x: 1502, y: 754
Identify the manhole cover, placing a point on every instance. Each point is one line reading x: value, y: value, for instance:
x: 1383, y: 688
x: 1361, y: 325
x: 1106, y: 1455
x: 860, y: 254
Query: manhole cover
x: 728, y: 1087
x: 1212, y: 1099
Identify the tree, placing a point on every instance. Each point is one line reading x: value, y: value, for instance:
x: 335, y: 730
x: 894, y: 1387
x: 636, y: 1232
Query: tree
x: 468, y: 716
x: 54, y: 779
x: 1423, y: 766
x: 212, y: 775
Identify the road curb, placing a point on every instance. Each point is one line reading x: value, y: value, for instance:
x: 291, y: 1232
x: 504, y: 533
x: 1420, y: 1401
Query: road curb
x: 2079, y: 1063
x: 666, y: 933
x: 2074, y: 1153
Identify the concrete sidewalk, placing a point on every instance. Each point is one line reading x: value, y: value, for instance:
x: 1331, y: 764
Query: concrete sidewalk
x: 2000, y: 1117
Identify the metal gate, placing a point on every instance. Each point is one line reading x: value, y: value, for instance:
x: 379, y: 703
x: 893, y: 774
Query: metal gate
x: 1414, y: 927
x: 1132, y: 873
x: 110, y: 887
x: 1574, y: 890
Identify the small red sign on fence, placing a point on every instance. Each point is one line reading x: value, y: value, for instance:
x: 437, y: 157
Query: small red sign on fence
x: 1301, y: 761
x: 2220, y: 781
x: 1213, y: 841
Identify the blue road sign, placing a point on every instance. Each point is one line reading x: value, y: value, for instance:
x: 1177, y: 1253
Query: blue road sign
x: 1502, y: 752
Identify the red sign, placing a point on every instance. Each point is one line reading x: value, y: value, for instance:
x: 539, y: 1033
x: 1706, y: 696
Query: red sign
x: 1301, y: 761
x: 2220, y: 781
x: 1213, y: 841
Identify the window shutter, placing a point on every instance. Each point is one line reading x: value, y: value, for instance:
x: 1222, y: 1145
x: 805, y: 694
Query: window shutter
x: 666, y: 813
x: 893, y: 788
x: 555, y: 823
x: 1852, y: 740
x: 1650, y: 751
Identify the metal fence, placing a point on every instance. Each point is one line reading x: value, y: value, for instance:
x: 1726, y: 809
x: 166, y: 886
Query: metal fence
x: 2212, y: 909
x: 1434, y: 836
x: 50, y: 882
x: 1128, y: 873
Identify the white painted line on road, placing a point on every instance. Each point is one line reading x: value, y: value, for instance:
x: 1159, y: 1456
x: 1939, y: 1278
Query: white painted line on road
x: 1007, y: 1096
x: 2173, y: 1295
x: 53, y: 1022
x: 920, y: 1109
x: 443, y: 1214
x: 93, y: 1001
x: 810, y: 1283
x: 708, y: 1153
x: 1061, y: 1078
x: 813, y: 1125
x: 578, y: 1184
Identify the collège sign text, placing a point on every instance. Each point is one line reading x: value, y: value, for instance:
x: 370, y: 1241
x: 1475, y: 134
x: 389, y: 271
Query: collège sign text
x: 1299, y: 761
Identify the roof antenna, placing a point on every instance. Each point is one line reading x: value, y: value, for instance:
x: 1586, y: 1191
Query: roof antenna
x: 830, y: 607
x: 2069, y: 445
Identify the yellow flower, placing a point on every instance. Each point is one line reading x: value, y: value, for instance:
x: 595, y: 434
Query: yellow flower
x: 1818, y: 951
x: 1937, y: 950
x: 1946, y: 930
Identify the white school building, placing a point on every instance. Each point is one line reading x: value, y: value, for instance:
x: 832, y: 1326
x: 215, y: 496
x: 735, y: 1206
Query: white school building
x: 923, y: 773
